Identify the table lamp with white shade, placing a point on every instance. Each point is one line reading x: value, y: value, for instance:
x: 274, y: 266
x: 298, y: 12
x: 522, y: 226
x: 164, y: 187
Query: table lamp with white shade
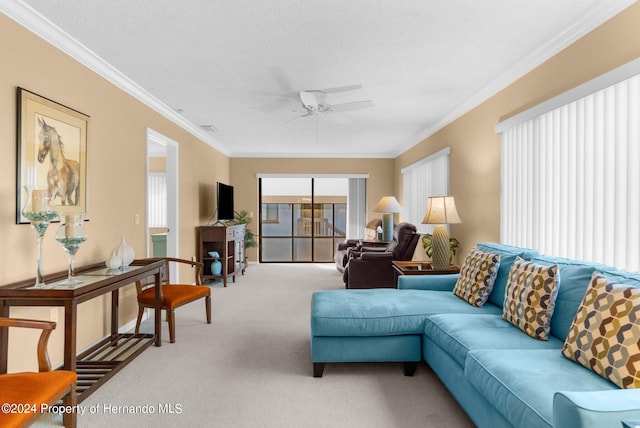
x: 441, y: 211
x: 388, y: 205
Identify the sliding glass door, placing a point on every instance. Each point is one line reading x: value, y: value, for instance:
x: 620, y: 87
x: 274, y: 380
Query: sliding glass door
x: 302, y: 219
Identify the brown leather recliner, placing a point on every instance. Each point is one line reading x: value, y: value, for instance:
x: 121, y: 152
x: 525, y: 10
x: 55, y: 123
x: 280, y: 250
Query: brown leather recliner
x: 341, y: 254
x: 371, y: 267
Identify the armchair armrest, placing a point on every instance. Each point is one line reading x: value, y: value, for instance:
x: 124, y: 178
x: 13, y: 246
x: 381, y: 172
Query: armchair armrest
x: 349, y: 243
x: 595, y: 408
x: 192, y: 263
x: 444, y: 282
x: 356, y: 252
x: 46, y: 326
x: 372, y: 249
x: 165, y: 271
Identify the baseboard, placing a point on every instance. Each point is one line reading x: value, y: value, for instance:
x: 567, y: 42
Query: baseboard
x: 131, y: 325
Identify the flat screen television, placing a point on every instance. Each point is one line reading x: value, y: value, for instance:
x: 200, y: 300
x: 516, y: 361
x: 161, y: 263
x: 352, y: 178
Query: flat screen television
x: 225, y: 201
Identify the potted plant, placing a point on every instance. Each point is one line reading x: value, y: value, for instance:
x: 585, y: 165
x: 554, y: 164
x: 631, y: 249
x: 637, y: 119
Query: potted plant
x: 453, y: 246
x: 242, y: 217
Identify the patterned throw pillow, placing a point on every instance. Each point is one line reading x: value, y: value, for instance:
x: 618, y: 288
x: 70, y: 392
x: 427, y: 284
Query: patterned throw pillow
x: 605, y: 333
x: 530, y: 297
x: 477, y: 276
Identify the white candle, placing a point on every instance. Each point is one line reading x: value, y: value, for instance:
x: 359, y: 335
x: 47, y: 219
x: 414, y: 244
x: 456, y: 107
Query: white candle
x: 70, y: 221
x: 39, y: 200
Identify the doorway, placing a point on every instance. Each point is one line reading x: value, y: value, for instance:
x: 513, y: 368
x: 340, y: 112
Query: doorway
x: 162, y: 197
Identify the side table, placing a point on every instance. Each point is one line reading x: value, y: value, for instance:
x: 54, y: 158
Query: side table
x: 419, y: 268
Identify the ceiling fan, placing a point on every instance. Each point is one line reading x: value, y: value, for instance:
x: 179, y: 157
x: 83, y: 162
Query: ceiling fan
x: 314, y: 102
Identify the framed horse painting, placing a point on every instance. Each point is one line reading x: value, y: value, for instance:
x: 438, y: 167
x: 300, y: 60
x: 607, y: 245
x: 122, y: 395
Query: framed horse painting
x: 52, y: 153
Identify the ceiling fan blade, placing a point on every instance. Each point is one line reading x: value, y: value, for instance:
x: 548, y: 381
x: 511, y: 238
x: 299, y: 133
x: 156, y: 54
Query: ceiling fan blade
x: 298, y: 117
x: 308, y: 99
x: 339, y: 89
x: 356, y: 105
x: 278, y: 104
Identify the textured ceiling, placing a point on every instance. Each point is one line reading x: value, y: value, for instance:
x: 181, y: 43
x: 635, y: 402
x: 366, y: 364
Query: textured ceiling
x: 238, y: 65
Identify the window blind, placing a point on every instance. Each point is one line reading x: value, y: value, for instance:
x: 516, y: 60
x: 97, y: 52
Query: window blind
x: 570, y: 178
x: 356, y: 207
x: 157, y: 200
x: 427, y: 177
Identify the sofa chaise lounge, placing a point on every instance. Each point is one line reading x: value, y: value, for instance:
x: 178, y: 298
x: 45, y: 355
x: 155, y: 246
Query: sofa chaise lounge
x: 501, y: 376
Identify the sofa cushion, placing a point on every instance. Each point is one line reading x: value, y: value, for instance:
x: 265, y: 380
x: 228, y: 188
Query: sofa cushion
x: 477, y: 276
x: 521, y: 384
x: 575, y: 276
x: 605, y: 333
x: 381, y: 312
x: 530, y: 297
x: 457, y: 334
x: 621, y: 276
x: 508, y: 255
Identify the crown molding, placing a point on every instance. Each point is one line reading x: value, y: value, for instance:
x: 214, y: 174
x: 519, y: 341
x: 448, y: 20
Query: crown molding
x: 35, y: 22
x: 598, y: 15
x: 251, y: 155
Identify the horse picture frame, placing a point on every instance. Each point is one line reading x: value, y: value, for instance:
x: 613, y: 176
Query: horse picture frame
x: 52, y: 153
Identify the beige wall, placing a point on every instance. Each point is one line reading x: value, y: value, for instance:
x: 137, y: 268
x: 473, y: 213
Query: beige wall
x: 116, y: 180
x: 244, y: 179
x: 475, y: 147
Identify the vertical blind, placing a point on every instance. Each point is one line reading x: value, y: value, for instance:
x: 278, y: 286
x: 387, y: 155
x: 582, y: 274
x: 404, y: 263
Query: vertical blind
x: 356, y: 207
x: 427, y: 177
x: 157, y: 196
x: 570, y: 183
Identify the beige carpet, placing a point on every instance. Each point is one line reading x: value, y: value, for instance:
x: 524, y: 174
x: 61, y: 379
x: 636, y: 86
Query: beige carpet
x: 251, y: 368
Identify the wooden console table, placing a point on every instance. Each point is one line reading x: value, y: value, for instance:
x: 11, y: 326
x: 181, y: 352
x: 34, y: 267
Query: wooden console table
x: 105, y: 358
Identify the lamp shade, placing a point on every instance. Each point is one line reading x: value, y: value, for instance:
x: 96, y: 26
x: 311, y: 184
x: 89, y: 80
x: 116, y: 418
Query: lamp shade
x: 388, y: 204
x: 441, y: 210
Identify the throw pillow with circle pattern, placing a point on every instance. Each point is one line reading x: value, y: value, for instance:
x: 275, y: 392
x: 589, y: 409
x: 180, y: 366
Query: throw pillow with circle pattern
x: 605, y: 333
x: 477, y: 277
x: 530, y: 297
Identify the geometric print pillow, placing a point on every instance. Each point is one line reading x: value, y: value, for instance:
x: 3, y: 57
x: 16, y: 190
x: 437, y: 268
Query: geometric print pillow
x: 477, y: 276
x: 530, y: 297
x: 605, y: 332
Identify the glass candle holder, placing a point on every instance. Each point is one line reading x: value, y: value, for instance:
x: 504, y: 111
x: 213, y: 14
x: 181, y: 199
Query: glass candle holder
x: 71, y: 233
x: 40, y: 211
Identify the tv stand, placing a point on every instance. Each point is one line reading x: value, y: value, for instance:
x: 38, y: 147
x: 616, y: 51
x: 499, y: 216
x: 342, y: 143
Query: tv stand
x: 228, y: 241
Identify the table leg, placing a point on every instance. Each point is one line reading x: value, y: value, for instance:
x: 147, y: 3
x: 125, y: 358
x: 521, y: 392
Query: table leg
x: 4, y: 339
x: 115, y: 301
x: 158, y: 309
x: 70, y: 330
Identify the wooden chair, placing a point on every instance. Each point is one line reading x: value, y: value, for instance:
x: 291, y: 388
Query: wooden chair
x: 37, y: 390
x: 173, y: 295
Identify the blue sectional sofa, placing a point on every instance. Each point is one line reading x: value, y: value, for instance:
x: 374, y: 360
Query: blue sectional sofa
x: 498, y: 374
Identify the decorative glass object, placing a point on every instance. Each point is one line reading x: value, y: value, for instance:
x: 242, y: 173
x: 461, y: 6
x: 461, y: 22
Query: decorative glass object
x: 71, y: 233
x: 39, y: 210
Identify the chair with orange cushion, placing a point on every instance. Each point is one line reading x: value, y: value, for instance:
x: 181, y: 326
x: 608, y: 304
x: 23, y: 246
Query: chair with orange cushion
x: 173, y: 295
x: 27, y: 394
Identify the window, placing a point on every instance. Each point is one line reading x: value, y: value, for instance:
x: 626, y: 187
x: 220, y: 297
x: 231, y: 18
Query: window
x: 427, y: 177
x: 157, y: 200
x: 571, y: 174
